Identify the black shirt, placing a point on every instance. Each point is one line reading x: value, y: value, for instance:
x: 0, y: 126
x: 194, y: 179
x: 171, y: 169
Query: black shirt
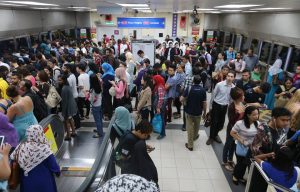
x: 195, y: 96
x: 127, y: 143
x: 249, y: 85
x: 252, y: 97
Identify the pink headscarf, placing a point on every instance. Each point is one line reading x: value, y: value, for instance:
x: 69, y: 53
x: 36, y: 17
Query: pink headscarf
x: 121, y: 73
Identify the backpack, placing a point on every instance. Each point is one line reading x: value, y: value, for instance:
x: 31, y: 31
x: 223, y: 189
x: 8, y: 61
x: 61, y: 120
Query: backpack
x: 53, y: 98
x: 40, y: 109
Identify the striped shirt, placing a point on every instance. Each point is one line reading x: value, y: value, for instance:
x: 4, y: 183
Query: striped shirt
x: 3, y: 87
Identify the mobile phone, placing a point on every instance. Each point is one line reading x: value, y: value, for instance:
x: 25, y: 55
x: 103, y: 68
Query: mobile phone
x: 1, y: 140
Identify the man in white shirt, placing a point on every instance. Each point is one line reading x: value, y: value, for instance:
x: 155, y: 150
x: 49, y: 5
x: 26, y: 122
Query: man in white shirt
x: 187, y: 65
x: 83, y: 89
x: 123, y: 46
x: 220, y: 98
x: 239, y: 66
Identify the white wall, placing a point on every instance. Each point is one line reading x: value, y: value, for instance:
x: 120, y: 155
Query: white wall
x: 278, y: 27
x: 142, y: 33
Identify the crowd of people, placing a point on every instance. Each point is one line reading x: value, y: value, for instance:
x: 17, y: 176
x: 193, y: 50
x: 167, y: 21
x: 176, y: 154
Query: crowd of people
x: 72, y: 78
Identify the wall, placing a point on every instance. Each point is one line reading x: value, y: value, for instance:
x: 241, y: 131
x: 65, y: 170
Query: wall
x: 278, y: 27
x: 22, y: 22
x: 144, y: 33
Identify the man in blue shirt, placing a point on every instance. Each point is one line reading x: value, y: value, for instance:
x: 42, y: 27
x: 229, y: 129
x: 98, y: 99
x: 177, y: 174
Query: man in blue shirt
x: 171, y: 90
x: 251, y: 60
x: 195, y: 104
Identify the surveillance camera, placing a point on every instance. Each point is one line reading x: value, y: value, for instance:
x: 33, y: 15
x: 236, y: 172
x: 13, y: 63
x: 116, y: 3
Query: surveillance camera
x: 136, y: 11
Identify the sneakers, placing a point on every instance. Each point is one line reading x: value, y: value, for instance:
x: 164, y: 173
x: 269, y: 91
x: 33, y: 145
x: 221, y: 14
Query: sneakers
x: 189, y: 148
x: 218, y: 139
x: 228, y: 167
x: 183, y: 129
x: 160, y: 137
x: 177, y: 116
x: 209, y: 141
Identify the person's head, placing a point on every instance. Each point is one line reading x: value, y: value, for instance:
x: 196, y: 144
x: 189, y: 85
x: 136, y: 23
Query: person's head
x: 221, y: 56
x: 230, y: 49
x: 251, y: 115
x: 67, y: 68
x: 238, y: 55
x: 121, y: 73
x: 146, y: 62
x: 246, y: 75
x: 256, y: 69
x: 225, y: 70
x: 12, y: 91
x: 176, y: 44
x: 288, y: 82
x: 35, y: 133
x: 16, y: 78
x: 170, y: 43
x: 164, y: 44
x: 185, y: 59
x: 93, y: 67
x: 298, y: 70
x: 171, y: 69
x: 281, y: 117
x: 129, y: 56
x: 180, y: 69
x: 283, y: 161
x: 197, y: 79
x: 43, y: 76
x: 63, y: 80
x: 264, y: 88
x: 147, y: 81
x: 95, y: 83
x: 230, y: 76
x: 25, y: 85
x: 143, y: 129
x: 108, y: 51
x: 237, y: 94
x: 250, y: 52
x: 124, y: 40
x: 80, y: 68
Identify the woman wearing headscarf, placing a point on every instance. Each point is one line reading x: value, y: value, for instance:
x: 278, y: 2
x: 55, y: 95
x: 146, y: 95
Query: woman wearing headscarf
x: 159, y: 101
x: 8, y: 131
x: 128, y: 183
x: 120, y: 85
x: 275, y: 77
x: 37, y: 162
x: 108, y: 75
x: 122, y: 122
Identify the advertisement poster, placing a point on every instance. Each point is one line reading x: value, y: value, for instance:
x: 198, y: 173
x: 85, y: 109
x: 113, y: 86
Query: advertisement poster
x: 195, y: 30
x: 50, y: 137
x: 183, y: 22
x: 82, y: 33
x: 210, y: 35
x: 141, y: 22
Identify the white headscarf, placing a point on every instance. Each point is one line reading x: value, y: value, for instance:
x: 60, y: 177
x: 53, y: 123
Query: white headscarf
x: 276, y: 67
x: 34, y: 151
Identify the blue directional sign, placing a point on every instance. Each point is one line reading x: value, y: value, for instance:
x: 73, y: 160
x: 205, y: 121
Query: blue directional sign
x: 141, y: 22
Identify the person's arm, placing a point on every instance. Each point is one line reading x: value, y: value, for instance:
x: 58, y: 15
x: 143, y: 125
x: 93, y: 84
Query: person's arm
x: 120, y: 87
x: 279, y: 92
x: 263, y: 157
x: 4, y: 162
x: 11, y: 113
x: 235, y: 135
x: 243, y: 66
x: 293, y: 139
x: 52, y: 165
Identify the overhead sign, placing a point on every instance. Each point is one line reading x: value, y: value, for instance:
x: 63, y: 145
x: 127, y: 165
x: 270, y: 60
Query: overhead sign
x: 141, y: 22
x: 174, y: 25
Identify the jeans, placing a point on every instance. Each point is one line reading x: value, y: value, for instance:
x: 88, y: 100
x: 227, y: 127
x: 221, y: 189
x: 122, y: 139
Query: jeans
x: 192, y: 126
x: 218, y: 114
x: 229, y: 147
x: 97, y: 113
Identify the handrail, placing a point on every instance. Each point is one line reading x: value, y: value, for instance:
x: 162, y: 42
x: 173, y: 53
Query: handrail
x: 98, y: 161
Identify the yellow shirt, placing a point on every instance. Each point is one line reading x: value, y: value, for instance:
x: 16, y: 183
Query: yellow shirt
x: 3, y: 87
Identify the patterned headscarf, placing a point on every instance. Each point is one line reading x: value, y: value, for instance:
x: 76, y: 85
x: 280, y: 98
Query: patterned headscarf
x: 128, y: 183
x: 34, y: 151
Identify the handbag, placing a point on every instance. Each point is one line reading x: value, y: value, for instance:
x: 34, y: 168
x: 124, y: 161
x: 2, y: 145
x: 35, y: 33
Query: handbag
x: 14, y: 179
x: 157, y: 123
x: 241, y: 150
x: 127, y: 100
x: 53, y: 98
x: 112, y: 91
x: 207, y: 120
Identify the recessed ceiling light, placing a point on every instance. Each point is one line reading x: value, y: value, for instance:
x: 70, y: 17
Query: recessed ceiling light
x: 269, y: 8
x: 231, y: 10
x: 235, y: 6
x: 141, y: 8
x: 206, y: 9
x: 132, y: 5
x: 31, y: 3
x: 13, y: 5
x: 79, y: 7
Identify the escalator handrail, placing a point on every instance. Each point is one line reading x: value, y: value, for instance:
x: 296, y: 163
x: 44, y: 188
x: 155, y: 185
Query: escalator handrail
x: 98, y: 161
x: 48, y: 119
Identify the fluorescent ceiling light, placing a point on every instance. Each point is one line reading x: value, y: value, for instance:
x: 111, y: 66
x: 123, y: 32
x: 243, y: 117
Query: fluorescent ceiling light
x: 250, y: 11
x: 42, y: 8
x: 141, y: 8
x: 13, y: 5
x: 31, y: 3
x: 231, y: 10
x: 79, y: 7
x: 206, y: 9
x: 269, y: 8
x: 132, y: 5
x: 235, y: 6
x: 215, y: 12
x: 94, y: 10
x: 146, y: 11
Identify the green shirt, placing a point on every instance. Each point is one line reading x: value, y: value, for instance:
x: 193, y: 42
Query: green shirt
x: 255, y: 76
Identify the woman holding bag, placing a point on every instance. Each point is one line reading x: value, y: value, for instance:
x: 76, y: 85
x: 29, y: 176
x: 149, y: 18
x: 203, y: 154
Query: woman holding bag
x: 244, y: 132
x: 144, y: 105
x: 159, y: 102
x: 120, y: 86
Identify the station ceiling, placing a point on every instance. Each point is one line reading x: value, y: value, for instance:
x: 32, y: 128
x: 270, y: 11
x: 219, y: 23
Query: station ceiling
x: 162, y: 5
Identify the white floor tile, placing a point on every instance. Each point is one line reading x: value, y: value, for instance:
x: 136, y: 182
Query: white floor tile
x: 185, y: 173
x: 200, y: 174
x: 168, y: 162
x: 187, y: 185
x: 205, y: 185
x: 197, y: 163
x: 170, y: 185
x: 216, y: 174
x: 221, y: 185
x: 169, y: 173
x: 183, y: 163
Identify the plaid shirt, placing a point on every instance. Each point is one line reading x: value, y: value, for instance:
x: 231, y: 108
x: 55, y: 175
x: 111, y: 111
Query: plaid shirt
x: 161, y: 96
x: 188, y: 82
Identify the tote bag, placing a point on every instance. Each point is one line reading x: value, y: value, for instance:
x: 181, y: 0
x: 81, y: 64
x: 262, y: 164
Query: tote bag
x: 241, y: 150
x: 157, y: 123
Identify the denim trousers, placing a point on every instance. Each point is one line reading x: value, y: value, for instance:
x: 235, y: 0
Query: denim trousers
x: 97, y: 113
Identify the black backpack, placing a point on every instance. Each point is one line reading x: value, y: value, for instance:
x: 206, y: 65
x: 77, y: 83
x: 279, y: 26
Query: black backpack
x: 40, y: 109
